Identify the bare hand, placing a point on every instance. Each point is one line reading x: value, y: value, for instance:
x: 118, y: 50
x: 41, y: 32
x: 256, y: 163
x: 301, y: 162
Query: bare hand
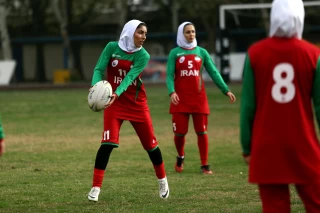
x: 2, y: 147
x: 174, y: 98
x: 232, y: 97
x: 246, y: 159
x: 114, y: 96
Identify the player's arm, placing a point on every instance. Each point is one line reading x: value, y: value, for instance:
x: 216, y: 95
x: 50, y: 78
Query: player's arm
x: 2, y: 147
x: 316, y: 92
x: 214, y: 73
x: 171, y: 65
x: 1, y: 132
x: 248, y: 107
x: 138, y: 66
x: 101, y: 65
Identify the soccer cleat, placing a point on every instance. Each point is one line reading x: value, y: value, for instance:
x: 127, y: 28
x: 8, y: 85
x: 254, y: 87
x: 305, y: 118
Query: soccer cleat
x: 163, y: 188
x: 179, y: 164
x: 94, y: 194
x: 205, y: 169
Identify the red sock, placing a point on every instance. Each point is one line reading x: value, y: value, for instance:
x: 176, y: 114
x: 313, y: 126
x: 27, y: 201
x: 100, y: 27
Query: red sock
x: 160, y: 172
x: 97, y: 177
x: 203, y: 146
x: 179, y: 142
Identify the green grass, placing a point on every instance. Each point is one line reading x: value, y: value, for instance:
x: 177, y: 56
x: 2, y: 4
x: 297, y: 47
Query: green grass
x: 52, y: 140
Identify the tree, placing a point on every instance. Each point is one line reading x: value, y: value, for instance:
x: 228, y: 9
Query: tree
x: 62, y: 11
x: 38, y: 19
x: 265, y: 17
x: 122, y: 11
x: 5, y: 38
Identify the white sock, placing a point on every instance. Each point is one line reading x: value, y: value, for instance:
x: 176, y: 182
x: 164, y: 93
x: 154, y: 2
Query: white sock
x: 162, y: 179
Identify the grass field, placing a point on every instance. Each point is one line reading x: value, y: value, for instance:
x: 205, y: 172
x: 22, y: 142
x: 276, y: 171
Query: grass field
x: 53, y: 137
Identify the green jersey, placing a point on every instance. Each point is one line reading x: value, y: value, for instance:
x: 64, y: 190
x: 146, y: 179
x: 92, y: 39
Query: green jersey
x: 123, y: 71
x: 184, y: 76
x: 1, y: 131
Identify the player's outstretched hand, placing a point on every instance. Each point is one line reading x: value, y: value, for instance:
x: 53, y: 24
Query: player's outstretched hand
x: 174, y: 98
x: 2, y: 147
x: 114, y: 96
x: 232, y: 97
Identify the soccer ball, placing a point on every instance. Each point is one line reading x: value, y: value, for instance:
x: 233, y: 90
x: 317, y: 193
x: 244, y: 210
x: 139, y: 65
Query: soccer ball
x: 99, y: 95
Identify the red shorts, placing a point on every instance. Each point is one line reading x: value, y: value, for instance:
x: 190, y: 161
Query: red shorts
x: 143, y: 129
x: 180, y: 123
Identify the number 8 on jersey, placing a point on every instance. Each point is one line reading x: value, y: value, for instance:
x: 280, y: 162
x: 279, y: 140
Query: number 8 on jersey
x: 283, y: 91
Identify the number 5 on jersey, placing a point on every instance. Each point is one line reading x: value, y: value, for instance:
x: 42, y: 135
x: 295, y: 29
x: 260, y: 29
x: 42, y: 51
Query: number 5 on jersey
x: 283, y: 91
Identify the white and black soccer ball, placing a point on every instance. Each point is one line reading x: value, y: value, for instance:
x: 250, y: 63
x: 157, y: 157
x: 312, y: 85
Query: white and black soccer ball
x: 99, y: 95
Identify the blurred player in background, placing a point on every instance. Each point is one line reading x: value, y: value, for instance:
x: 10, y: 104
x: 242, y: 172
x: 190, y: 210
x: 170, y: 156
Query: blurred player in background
x: 187, y: 92
x: 2, y: 145
x: 124, y: 61
x: 278, y: 137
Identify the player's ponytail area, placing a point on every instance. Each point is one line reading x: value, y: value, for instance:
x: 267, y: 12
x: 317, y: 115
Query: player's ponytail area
x: 51, y: 144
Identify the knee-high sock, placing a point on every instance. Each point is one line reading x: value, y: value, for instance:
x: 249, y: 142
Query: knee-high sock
x: 203, y: 146
x: 179, y: 141
x: 160, y: 171
x: 158, y: 165
x: 101, y: 163
x: 98, y: 175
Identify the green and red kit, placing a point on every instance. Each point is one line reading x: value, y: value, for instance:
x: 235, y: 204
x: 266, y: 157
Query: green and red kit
x: 281, y: 81
x: 184, y: 76
x: 123, y: 72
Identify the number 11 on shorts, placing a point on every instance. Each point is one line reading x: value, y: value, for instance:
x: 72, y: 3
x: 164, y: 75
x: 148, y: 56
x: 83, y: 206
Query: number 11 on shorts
x: 106, y: 135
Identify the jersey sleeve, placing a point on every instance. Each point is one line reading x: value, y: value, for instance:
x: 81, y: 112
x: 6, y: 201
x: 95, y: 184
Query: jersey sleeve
x: 248, y: 107
x: 171, y: 64
x: 316, y: 92
x: 139, y: 64
x: 214, y: 73
x: 101, y: 65
x: 1, y: 131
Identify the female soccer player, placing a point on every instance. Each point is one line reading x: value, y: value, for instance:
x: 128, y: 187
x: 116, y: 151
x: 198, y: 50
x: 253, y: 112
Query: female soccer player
x: 278, y: 137
x: 187, y: 92
x: 124, y: 61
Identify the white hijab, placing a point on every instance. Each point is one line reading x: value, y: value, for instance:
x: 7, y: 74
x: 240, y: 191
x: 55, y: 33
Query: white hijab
x: 287, y: 18
x: 181, y: 40
x: 126, y: 41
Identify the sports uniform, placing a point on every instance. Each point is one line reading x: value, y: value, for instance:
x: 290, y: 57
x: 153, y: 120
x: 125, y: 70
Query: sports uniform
x: 124, y: 75
x: 184, y: 78
x: 122, y: 63
x: 281, y: 78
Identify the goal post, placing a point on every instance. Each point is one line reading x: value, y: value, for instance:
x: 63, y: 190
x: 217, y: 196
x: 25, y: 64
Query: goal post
x: 223, y: 43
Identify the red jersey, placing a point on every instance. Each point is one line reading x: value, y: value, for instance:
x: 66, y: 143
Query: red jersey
x: 284, y: 144
x: 184, y: 76
x: 124, y: 74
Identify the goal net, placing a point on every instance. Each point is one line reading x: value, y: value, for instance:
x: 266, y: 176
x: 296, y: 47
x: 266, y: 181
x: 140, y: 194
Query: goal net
x: 240, y: 25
